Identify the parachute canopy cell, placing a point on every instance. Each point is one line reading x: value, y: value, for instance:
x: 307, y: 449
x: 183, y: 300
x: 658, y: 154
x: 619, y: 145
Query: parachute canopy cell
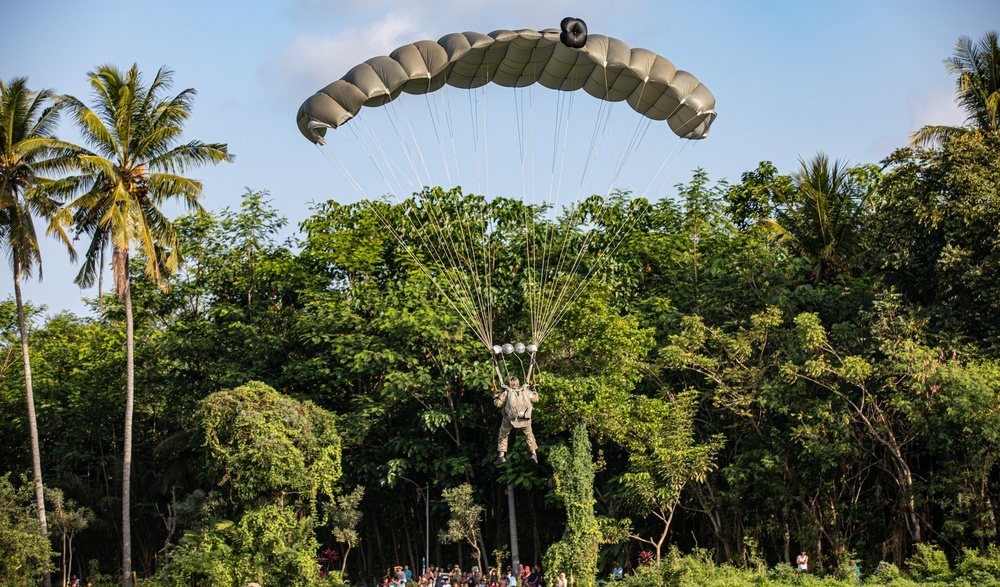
x: 604, y: 67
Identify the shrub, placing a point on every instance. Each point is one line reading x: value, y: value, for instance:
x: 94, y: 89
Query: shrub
x: 929, y: 564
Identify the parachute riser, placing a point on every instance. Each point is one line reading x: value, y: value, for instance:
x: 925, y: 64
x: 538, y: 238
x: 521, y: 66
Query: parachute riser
x: 498, y: 354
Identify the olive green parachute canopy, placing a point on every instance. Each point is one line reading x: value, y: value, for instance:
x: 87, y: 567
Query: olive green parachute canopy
x: 604, y: 67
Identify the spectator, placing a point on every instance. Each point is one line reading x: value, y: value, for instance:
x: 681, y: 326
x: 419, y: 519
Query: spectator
x: 802, y: 562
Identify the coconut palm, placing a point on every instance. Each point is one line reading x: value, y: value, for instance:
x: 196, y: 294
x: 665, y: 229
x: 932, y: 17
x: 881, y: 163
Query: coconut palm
x: 28, y: 148
x: 821, y: 220
x: 977, y: 66
x: 135, y: 167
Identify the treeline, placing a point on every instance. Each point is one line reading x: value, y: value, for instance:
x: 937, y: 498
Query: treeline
x: 766, y: 367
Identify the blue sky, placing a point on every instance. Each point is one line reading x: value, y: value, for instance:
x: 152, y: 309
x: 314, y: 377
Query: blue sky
x: 850, y: 78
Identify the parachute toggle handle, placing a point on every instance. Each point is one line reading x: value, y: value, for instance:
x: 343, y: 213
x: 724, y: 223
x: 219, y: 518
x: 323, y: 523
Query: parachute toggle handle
x: 574, y: 32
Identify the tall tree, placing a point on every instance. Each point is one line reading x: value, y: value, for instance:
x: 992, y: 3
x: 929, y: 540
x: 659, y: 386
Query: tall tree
x: 135, y: 167
x: 573, y: 484
x: 821, y: 220
x: 463, y: 526
x: 28, y: 148
x: 977, y: 89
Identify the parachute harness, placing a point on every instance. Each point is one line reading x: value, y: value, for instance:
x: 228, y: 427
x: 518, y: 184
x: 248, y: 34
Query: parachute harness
x: 500, y: 369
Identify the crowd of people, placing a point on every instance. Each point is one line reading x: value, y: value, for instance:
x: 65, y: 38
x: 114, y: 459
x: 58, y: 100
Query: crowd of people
x: 454, y: 576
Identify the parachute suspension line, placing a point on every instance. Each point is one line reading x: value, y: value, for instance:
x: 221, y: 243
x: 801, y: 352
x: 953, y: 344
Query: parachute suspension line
x: 461, y: 304
x: 372, y: 147
x: 433, y: 115
x: 520, y: 119
x: 556, y: 299
x: 474, y: 118
x: 529, y: 207
x: 455, y: 251
x: 464, y: 253
x: 567, y: 291
x: 466, y: 257
x: 378, y: 154
x: 488, y: 259
x: 600, y: 130
x: 534, y: 244
x: 479, y: 261
x: 552, y: 300
x: 562, y: 118
x: 451, y: 132
x: 668, y: 161
x: 344, y: 170
x: 618, y: 238
x: 456, y: 267
x: 486, y: 136
x: 416, y: 143
x: 501, y: 369
x: 464, y: 295
x: 411, y: 148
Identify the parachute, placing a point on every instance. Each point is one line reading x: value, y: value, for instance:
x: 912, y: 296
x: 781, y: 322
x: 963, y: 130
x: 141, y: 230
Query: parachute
x: 604, y: 67
x: 459, y: 240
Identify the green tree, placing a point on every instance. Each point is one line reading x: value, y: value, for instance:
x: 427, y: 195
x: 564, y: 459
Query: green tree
x: 822, y: 220
x: 78, y: 374
x: 134, y: 169
x: 664, y: 458
x: 575, y: 553
x: 463, y: 524
x: 977, y: 90
x: 275, y: 460
x: 24, y: 552
x: 271, y: 448
x: 935, y: 238
x: 28, y: 149
x: 67, y: 521
x: 345, y: 514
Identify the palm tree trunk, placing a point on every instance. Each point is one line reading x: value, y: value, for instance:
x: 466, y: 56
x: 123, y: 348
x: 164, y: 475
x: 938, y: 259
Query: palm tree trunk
x: 36, y: 455
x: 100, y: 284
x: 127, y: 441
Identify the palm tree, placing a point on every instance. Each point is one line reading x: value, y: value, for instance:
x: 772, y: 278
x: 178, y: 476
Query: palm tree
x: 28, y: 147
x: 134, y: 131
x: 821, y: 222
x: 977, y: 90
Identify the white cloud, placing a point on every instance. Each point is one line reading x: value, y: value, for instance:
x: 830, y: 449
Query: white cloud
x: 311, y: 62
x: 936, y: 108
x: 315, y: 58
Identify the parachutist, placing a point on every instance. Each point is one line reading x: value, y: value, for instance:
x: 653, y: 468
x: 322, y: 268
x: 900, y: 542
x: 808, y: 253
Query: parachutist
x: 516, y: 400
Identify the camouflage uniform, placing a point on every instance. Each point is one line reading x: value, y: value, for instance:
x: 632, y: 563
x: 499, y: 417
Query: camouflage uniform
x: 509, y: 422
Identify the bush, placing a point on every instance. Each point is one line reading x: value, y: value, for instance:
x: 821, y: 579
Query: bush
x: 270, y: 545
x: 99, y: 579
x: 24, y: 552
x: 978, y: 570
x: 929, y: 564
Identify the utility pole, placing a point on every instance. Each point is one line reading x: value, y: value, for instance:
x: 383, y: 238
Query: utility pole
x: 514, y: 556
